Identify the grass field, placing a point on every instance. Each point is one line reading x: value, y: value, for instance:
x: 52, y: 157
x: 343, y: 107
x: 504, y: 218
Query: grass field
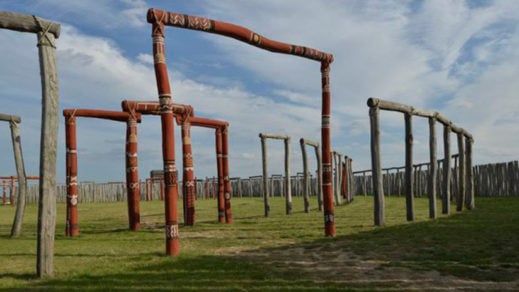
x: 471, y: 250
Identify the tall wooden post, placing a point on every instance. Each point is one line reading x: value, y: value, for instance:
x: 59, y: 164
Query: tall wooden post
x: 221, y: 181
x: 447, y: 174
x: 226, y: 178
x: 469, y: 195
x: 132, y: 173
x: 306, y: 183
x: 265, y: 175
x: 376, y: 168
x: 319, y: 177
x: 432, y: 168
x: 329, y: 214
x: 461, y: 172
x: 71, y: 227
x: 288, y: 186
x: 168, y: 140
x: 22, y: 179
x: 409, y: 167
x: 188, y: 177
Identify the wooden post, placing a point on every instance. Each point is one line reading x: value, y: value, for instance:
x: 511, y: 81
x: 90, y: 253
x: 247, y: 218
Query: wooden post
x: 432, y: 168
x: 168, y: 141
x: 188, y: 188
x: 376, y: 169
x: 461, y: 172
x: 469, y: 196
x: 288, y: 187
x: 21, y: 176
x: 48, y: 150
x: 306, y: 183
x: 227, y: 182
x: 409, y: 166
x: 71, y: 227
x: 447, y: 174
x: 319, y: 177
x: 329, y: 214
x: 221, y: 181
x: 132, y: 173
x: 265, y: 175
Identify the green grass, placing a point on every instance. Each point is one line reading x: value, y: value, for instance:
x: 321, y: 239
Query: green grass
x: 277, y: 253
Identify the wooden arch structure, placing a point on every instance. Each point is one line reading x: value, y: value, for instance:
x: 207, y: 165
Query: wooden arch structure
x: 132, y: 174
x: 466, y: 184
x: 185, y: 118
x: 14, y: 122
x: 306, y: 180
x: 159, y: 19
x: 287, y: 185
x: 47, y: 32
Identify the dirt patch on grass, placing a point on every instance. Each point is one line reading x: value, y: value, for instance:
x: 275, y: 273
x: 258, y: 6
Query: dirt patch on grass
x: 332, y: 263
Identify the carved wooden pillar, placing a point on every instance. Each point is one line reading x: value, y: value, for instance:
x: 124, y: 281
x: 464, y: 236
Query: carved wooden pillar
x: 132, y: 174
x: 329, y: 214
x: 168, y: 141
x: 71, y: 228
x: 220, y: 174
x: 188, y: 175
x: 227, y: 181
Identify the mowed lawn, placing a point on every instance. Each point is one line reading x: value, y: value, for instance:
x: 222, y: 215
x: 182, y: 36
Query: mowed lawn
x: 471, y: 250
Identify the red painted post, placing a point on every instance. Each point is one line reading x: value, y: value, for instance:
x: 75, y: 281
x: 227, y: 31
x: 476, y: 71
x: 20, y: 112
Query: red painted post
x: 227, y: 181
x: 71, y: 228
x: 12, y: 193
x: 132, y: 173
x: 221, y: 182
x: 168, y: 140
x: 188, y: 174
x: 4, y: 192
x: 329, y: 220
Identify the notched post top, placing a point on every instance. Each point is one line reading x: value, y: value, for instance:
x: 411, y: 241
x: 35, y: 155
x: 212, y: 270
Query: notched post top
x: 28, y: 23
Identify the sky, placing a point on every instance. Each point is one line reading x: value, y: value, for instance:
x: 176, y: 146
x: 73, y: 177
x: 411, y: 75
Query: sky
x: 459, y: 58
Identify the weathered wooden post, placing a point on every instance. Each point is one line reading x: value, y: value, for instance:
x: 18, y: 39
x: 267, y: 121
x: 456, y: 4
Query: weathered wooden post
x: 432, y: 168
x: 315, y: 145
x: 306, y: 183
x: 461, y: 171
x: 227, y: 181
x: 21, y: 176
x: 469, y: 196
x: 447, y: 174
x: 71, y: 226
x: 376, y: 168
x: 288, y: 187
x: 409, y: 199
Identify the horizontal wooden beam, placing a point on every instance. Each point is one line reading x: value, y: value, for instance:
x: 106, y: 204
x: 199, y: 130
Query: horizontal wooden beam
x: 28, y: 23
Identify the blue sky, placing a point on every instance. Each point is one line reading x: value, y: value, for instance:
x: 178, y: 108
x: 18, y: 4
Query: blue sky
x: 455, y: 57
